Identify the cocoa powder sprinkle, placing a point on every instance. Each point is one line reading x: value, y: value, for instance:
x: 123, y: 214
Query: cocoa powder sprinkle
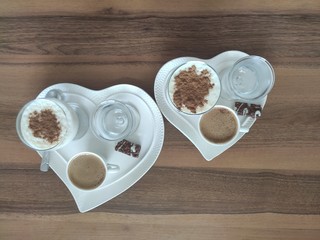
x: 45, y: 125
x: 191, y: 89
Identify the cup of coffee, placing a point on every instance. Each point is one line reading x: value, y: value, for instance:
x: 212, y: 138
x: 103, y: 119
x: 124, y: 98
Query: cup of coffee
x: 220, y: 126
x: 86, y: 171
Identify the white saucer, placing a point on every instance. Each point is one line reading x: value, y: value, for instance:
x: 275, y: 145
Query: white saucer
x: 188, y: 124
x: 150, y: 135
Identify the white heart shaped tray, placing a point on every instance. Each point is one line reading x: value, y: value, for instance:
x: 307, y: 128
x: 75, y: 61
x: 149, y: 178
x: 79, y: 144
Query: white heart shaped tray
x: 188, y: 124
x: 150, y: 135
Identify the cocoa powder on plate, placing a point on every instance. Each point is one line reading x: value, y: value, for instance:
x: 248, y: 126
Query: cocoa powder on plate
x: 191, y: 89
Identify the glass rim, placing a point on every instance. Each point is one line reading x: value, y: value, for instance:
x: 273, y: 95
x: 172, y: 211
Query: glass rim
x: 272, y: 79
x: 98, y: 111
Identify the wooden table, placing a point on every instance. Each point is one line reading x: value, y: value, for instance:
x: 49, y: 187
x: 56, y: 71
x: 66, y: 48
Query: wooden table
x: 267, y: 186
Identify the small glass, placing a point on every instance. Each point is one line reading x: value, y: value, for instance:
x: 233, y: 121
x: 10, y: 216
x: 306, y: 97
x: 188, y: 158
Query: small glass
x: 114, y: 120
x: 250, y: 78
x: 193, y: 101
x: 47, y: 124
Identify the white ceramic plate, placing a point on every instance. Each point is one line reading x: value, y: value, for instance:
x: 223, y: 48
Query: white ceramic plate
x: 150, y: 135
x: 188, y: 124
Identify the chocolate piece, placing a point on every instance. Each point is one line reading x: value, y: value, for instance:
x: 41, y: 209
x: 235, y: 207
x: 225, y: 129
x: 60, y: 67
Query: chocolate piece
x: 128, y: 148
x: 246, y: 109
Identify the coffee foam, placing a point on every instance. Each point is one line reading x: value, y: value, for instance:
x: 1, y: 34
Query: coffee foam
x: 86, y: 171
x: 219, y: 125
x: 214, y: 92
x: 39, y: 105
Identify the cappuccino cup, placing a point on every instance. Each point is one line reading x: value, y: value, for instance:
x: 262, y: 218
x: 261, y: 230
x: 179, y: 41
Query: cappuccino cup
x: 86, y: 171
x: 220, y: 125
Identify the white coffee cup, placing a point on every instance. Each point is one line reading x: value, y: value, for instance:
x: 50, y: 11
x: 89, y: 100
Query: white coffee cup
x: 220, y: 125
x: 88, y: 171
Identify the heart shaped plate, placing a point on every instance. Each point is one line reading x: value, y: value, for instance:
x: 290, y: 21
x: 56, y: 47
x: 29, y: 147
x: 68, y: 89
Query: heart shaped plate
x: 150, y: 135
x: 188, y: 124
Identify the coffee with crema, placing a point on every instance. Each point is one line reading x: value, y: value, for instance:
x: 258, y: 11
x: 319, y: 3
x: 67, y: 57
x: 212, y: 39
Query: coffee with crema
x: 219, y: 125
x: 86, y: 171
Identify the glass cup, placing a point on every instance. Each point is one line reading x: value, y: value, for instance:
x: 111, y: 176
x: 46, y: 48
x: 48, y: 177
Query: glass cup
x: 193, y: 88
x: 46, y: 124
x: 250, y: 78
x: 114, y: 120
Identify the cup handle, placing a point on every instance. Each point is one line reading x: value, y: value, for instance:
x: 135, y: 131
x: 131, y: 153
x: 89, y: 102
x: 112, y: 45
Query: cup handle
x: 112, y: 168
x: 244, y: 128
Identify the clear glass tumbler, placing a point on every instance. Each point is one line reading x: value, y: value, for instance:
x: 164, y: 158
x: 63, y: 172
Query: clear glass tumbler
x: 250, y: 78
x: 114, y: 120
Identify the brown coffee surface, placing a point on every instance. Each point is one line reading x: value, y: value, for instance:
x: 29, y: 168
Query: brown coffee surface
x: 219, y: 125
x: 86, y: 171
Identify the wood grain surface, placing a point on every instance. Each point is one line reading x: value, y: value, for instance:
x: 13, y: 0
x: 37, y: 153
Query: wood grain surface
x: 267, y: 186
